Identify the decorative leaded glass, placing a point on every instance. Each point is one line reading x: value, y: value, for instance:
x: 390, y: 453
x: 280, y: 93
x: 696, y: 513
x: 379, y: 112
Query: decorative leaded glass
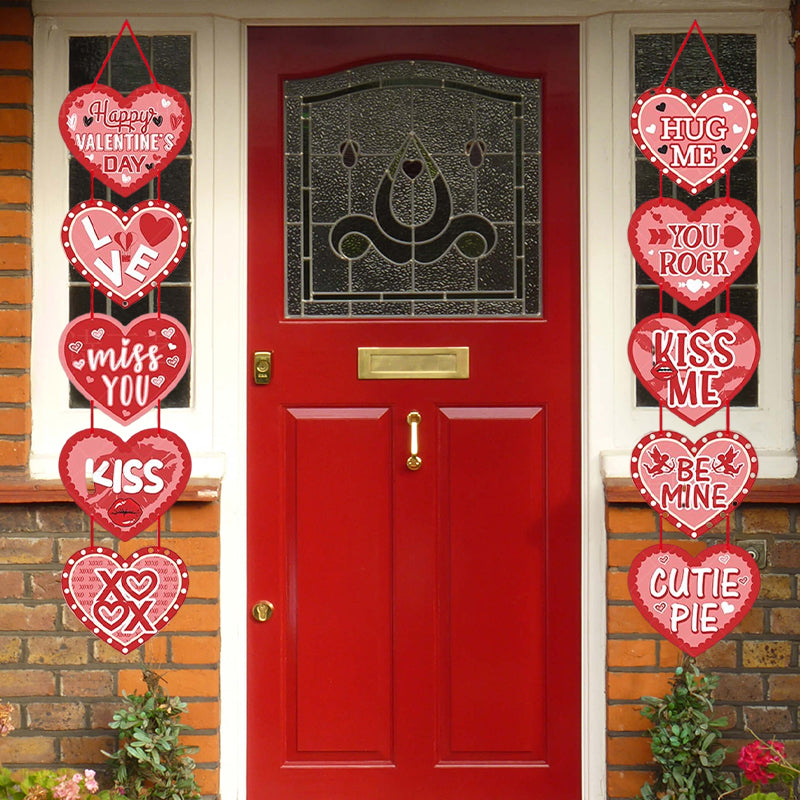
x: 412, y: 189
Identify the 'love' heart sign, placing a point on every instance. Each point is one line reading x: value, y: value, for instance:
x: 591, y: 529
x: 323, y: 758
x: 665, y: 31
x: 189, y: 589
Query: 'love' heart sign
x: 693, y: 484
x: 693, y: 141
x: 694, y: 602
x: 125, y: 369
x: 127, y: 253
x: 124, y: 141
x: 125, y: 486
x: 125, y: 601
x: 694, y: 255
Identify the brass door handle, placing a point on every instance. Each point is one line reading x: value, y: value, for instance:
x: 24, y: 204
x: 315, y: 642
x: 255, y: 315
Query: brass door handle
x: 263, y: 610
x: 414, y: 462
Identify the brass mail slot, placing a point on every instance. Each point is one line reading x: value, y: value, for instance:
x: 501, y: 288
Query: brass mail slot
x: 393, y: 363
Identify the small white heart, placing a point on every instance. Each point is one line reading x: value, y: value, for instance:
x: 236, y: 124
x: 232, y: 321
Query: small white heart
x: 90, y: 156
x: 727, y: 608
x: 79, y: 364
x: 694, y: 284
x: 72, y: 121
x: 165, y: 103
x: 126, y: 179
x: 737, y: 128
x: 727, y: 107
x: 736, y: 252
x: 650, y: 252
x: 651, y: 128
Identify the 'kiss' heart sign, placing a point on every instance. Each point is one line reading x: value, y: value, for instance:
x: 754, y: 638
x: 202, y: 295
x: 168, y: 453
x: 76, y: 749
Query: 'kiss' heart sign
x: 124, y: 141
x: 694, y: 371
x: 125, y: 601
x: 127, y: 253
x: 694, y: 602
x: 125, y: 369
x: 693, y: 484
x: 125, y: 486
x: 694, y: 255
x: 693, y: 141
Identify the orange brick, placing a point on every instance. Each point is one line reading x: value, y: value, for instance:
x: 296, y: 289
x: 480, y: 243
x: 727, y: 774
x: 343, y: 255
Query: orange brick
x: 668, y: 654
x: 16, y: 89
x: 16, y: 21
x: 195, y: 649
x: 194, y: 518
x: 627, y: 619
x: 15, y: 388
x: 628, y: 750
x: 634, y: 685
x: 15, y: 255
x: 27, y: 750
x: 630, y: 519
x: 617, y: 585
x: 196, y: 618
x: 183, y: 683
x: 15, y: 355
x: 202, y: 715
x: 631, y: 652
x: 208, y: 745
x: 15, y: 291
x: 207, y: 780
x: 203, y: 585
x: 622, y: 551
x: 14, y: 453
x: 627, y: 717
x: 15, y: 188
x: 155, y: 652
x: 198, y: 551
x: 15, y: 420
x: 627, y: 783
x: 752, y: 623
x: 16, y: 55
x: 15, y: 223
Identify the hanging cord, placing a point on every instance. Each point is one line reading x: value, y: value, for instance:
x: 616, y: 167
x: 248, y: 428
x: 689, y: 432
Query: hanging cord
x: 728, y: 417
x: 728, y: 531
x: 680, y: 50
x: 91, y: 531
x: 127, y: 25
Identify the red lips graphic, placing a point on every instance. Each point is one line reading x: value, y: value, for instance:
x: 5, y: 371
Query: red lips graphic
x: 125, y: 512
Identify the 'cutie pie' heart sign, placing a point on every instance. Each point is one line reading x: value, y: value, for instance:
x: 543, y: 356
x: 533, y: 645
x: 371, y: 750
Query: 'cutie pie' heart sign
x: 127, y: 253
x: 694, y: 602
x: 125, y: 369
x: 694, y: 371
x: 124, y: 601
x: 125, y: 486
x: 124, y: 141
x: 693, y: 141
x: 694, y: 255
x: 693, y: 484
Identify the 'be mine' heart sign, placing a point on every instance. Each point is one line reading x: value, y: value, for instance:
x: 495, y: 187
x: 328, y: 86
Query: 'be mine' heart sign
x: 693, y: 484
x: 693, y: 141
x: 127, y: 253
x: 125, y: 486
x: 124, y: 141
x: 125, y: 601
x: 694, y: 371
x: 694, y: 602
x: 694, y: 255
x: 125, y: 369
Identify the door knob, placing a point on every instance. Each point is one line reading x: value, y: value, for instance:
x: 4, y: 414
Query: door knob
x: 414, y: 462
x: 263, y: 610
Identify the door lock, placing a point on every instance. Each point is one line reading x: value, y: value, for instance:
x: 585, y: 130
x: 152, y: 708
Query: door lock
x: 263, y: 610
x: 262, y: 366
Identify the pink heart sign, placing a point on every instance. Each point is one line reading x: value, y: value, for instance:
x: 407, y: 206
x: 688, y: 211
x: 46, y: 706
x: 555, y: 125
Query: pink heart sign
x: 124, y: 601
x: 693, y: 141
x: 125, y: 486
x: 694, y: 602
x: 125, y: 369
x: 694, y: 371
x: 694, y: 484
x: 694, y: 255
x: 124, y: 141
x: 127, y: 253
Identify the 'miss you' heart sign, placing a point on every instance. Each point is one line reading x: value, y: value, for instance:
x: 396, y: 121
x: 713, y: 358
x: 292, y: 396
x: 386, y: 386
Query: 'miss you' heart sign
x: 125, y: 601
x: 694, y: 255
x: 124, y: 141
x: 694, y: 602
x: 694, y: 484
x: 694, y: 371
x: 125, y: 369
x: 693, y: 141
x: 127, y: 253
x: 125, y: 486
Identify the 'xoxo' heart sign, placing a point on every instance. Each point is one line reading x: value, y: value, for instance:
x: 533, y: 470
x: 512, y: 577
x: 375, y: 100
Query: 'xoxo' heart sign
x: 127, y: 601
x: 694, y: 141
x: 124, y: 141
x: 694, y: 602
x: 125, y: 486
x: 693, y: 484
x: 127, y: 253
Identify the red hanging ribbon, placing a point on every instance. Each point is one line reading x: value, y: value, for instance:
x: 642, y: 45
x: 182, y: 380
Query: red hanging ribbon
x: 680, y: 50
x: 127, y: 25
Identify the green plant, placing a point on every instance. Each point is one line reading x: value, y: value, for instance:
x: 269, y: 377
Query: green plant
x: 685, y: 740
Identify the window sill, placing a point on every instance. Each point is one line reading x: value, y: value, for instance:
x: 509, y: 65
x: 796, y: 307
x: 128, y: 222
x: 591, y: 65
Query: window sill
x: 32, y: 491
x: 779, y: 490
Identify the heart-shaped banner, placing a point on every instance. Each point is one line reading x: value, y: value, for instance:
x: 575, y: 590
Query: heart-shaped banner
x: 128, y: 253
x: 125, y: 486
x: 694, y: 484
x: 694, y: 370
x: 694, y: 255
x: 125, y: 369
x: 694, y: 602
x: 125, y: 141
x: 125, y: 601
x: 693, y: 141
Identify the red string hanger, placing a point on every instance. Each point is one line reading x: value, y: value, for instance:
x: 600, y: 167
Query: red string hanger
x: 127, y: 25
x: 694, y: 26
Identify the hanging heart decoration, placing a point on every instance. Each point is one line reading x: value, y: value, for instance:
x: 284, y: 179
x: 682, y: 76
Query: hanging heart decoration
x: 694, y: 370
x: 693, y: 484
x: 125, y: 141
x: 124, y: 601
x: 125, y: 369
x: 127, y: 253
x: 694, y: 255
x: 694, y: 602
x: 125, y: 485
x: 694, y: 141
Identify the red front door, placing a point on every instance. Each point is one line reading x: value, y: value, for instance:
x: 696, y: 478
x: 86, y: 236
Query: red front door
x: 425, y: 643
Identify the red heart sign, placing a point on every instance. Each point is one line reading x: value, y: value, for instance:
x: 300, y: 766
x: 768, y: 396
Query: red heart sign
x: 124, y: 601
x: 125, y: 486
x: 694, y: 141
x: 694, y: 602
x: 694, y: 484
x: 125, y: 369
x: 694, y: 371
x: 694, y: 255
x: 125, y: 141
x: 128, y: 253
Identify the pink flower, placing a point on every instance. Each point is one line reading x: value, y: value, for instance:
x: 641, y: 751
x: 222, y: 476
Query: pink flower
x: 90, y: 783
x: 754, y: 758
x: 67, y: 789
